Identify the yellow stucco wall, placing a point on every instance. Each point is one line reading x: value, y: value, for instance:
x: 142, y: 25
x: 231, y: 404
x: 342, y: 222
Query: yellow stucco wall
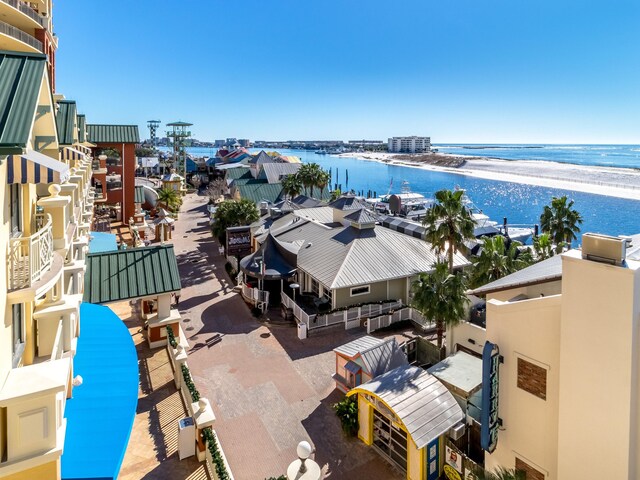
x: 415, y: 461
x: 365, y: 421
x: 48, y: 471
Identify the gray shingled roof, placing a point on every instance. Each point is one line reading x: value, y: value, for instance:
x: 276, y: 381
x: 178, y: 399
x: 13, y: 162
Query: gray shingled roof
x: 346, y: 256
x: 361, y: 216
x: 546, y: 271
x: 423, y: 404
x: 274, y: 172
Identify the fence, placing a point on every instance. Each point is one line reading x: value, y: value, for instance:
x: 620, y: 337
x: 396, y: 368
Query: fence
x: 385, y: 320
x: 255, y: 296
x: 30, y: 257
x: 298, y: 312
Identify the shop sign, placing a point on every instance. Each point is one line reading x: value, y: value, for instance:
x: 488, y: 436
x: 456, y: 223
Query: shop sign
x: 238, y: 241
x: 489, y: 417
x: 451, y: 473
x: 454, y: 458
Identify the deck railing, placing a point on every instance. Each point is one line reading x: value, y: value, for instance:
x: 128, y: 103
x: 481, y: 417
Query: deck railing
x: 20, y: 35
x: 27, y: 10
x: 30, y: 257
x: 298, y: 312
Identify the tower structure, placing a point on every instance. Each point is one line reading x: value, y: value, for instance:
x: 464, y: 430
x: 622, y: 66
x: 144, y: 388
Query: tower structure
x: 153, y: 127
x: 179, y: 136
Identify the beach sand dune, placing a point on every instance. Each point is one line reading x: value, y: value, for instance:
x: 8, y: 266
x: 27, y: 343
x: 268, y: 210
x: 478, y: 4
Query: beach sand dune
x: 611, y: 181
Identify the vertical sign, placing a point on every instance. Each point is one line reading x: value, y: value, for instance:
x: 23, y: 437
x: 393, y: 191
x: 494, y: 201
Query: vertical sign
x: 489, y: 416
x: 238, y: 241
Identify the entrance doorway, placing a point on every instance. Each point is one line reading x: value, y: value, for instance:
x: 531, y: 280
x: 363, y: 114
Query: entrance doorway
x: 389, y: 440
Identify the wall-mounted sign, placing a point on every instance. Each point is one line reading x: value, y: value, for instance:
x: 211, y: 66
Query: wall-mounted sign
x: 489, y: 417
x: 238, y: 241
x: 454, y: 458
x: 451, y: 473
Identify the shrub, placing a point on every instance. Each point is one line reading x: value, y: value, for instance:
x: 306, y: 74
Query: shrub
x: 214, y: 450
x: 347, y: 411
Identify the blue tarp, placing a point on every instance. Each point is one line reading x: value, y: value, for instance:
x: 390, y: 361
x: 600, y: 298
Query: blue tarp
x: 100, y: 415
x: 102, y: 242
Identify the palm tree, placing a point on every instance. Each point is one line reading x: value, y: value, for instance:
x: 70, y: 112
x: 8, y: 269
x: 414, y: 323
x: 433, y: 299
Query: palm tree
x: 292, y: 185
x: 324, y: 178
x: 449, y: 223
x: 498, y: 258
x: 170, y: 198
x: 309, y: 175
x: 561, y: 221
x: 543, y: 247
x: 440, y: 297
x: 501, y: 473
x: 232, y: 213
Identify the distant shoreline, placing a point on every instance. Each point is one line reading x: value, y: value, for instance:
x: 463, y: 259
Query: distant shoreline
x: 608, y: 181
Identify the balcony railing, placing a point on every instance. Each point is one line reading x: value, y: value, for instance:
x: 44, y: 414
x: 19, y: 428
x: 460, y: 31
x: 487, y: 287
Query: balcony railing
x: 27, y: 10
x: 30, y: 257
x: 20, y: 35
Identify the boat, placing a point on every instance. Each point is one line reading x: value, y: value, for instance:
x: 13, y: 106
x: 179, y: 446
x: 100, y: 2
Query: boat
x: 412, y: 205
x: 322, y: 151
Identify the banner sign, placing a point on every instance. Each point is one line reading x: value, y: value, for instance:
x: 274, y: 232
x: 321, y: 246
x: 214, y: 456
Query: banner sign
x: 490, y: 380
x: 238, y: 241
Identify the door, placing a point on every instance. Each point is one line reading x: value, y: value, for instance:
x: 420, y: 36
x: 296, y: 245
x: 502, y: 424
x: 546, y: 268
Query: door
x: 389, y: 440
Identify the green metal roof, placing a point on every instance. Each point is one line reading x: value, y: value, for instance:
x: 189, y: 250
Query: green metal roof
x: 65, y: 121
x: 239, y: 173
x: 323, y: 195
x: 113, y: 133
x: 82, y: 125
x: 124, y: 274
x: 259, y: 192
x: 139, y: 194
x: 21, y: 76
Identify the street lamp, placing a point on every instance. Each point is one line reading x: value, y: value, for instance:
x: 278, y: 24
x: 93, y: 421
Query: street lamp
x: 304, y: 468
x: 294, y: 287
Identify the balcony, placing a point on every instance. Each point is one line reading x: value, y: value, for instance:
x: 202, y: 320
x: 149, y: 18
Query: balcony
x: 30, y: 257
x: 28, y: 11
x: 17, y: 34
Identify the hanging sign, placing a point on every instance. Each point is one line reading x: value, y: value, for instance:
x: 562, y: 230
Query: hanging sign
x: 238, y: 241
x: 489, y: 416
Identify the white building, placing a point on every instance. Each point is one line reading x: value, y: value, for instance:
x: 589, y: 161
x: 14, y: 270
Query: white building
x: 567, y: 332
x: 410, y: 144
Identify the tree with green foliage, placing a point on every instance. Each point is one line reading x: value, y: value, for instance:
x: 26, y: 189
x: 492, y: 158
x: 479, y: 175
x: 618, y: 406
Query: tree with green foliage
x: 336, y: 194
x: 233, y: 213
x: 440, y: 297
x: 170, y: 198
x: 543, y: 247
x: 449, y: 224
x: 347, y: 411
x: 292, y: 185
x: 311, y: 175
x: 498, y: 258
x: 501, y: 473
x: 561, y: 221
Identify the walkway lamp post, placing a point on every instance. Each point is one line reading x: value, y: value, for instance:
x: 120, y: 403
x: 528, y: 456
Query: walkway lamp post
x: 304, y: 468
x: 294, y: 287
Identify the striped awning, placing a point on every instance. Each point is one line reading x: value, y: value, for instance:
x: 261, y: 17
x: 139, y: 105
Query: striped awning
x: 35, y: 167
x: 71, y: 154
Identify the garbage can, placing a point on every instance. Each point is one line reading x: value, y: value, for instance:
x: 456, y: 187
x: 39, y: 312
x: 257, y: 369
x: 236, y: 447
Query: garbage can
x: 302, y: 331
x: 186, y: 438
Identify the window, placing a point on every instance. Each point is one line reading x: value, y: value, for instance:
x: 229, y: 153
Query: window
x: 18, y: 332
x: 15, y: 210
x: 315, y: 286
x: 532, y: 378
x: 363, y: 290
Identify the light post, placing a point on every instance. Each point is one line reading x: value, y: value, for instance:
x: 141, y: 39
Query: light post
x: 304, y: 468
x: 294, y: 287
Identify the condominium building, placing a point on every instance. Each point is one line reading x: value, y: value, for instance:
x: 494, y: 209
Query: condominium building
x: 566, y: 330
x: 27, y: 27
x: 409, y: 144
x: 45, y: 174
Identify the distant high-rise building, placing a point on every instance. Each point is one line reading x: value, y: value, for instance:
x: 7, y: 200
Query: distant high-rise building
x: 244, y: 142
x: 410, y: 144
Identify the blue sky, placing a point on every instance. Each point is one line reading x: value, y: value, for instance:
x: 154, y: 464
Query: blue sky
x: 510, y: 71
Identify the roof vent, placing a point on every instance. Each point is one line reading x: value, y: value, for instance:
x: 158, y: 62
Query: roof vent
x: 604, y: 248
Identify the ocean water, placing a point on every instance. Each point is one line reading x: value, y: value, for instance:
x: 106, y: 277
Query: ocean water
x: 625, y: 156
x: 521, y: 204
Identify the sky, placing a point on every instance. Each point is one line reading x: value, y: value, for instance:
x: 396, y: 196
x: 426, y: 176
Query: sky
x: 464, y: 71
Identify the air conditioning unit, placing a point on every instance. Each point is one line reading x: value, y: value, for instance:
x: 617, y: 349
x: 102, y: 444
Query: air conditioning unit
x: 604, y: 248
x: 457, y: 431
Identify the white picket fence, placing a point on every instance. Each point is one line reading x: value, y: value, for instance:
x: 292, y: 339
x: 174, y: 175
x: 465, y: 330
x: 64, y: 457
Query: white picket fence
x: 406, y: 313
x: 258, y: 298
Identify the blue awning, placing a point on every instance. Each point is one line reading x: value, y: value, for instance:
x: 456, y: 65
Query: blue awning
x: 35, y: 167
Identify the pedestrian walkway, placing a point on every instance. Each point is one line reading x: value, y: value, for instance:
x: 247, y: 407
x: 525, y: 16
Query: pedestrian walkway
x: 268, y: 389
x: 152, y: 450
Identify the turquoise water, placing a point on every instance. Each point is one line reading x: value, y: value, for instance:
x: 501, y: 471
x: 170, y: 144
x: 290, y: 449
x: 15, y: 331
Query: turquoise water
x: 102, y: 242
x: 521, y: 204
x: 626, y: 156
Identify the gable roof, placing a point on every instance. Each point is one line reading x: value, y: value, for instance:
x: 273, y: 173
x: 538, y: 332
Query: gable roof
x: 66, y: 121
x: 82, y: 127
x: 238, y: 172
x: 274, y: 172
x: 260, y: 192
x: 379, y: 356
x: 21, y: 77
x: 348, y: 202
x: 423, y: 404
x: 358, y: 345
x: 361, y: 216
x: 100, y: 133
x: 261, y: 158
x: 124, y: 274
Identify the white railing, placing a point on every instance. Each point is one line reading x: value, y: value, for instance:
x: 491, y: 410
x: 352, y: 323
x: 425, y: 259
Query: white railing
x: 30, y: 257
x: 407, y: 313
x: 254, y: 295
x: 298, y: 312
x: 27, y: 10
x: 20, y: 35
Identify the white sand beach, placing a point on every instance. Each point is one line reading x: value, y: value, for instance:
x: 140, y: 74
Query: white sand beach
x: 610, y: 181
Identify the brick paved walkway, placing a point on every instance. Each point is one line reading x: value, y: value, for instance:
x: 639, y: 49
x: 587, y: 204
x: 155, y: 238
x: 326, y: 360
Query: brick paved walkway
x: 268, y: 389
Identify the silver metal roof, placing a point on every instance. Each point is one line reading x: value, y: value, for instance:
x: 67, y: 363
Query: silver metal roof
x: 358, y: 345
x: 274, y: 172
x: 423, y: 404
x: 383, y: 357
x: 362, y: 216
x: 546, y: 271
x: 462, y: 371
x: 317, y: 214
